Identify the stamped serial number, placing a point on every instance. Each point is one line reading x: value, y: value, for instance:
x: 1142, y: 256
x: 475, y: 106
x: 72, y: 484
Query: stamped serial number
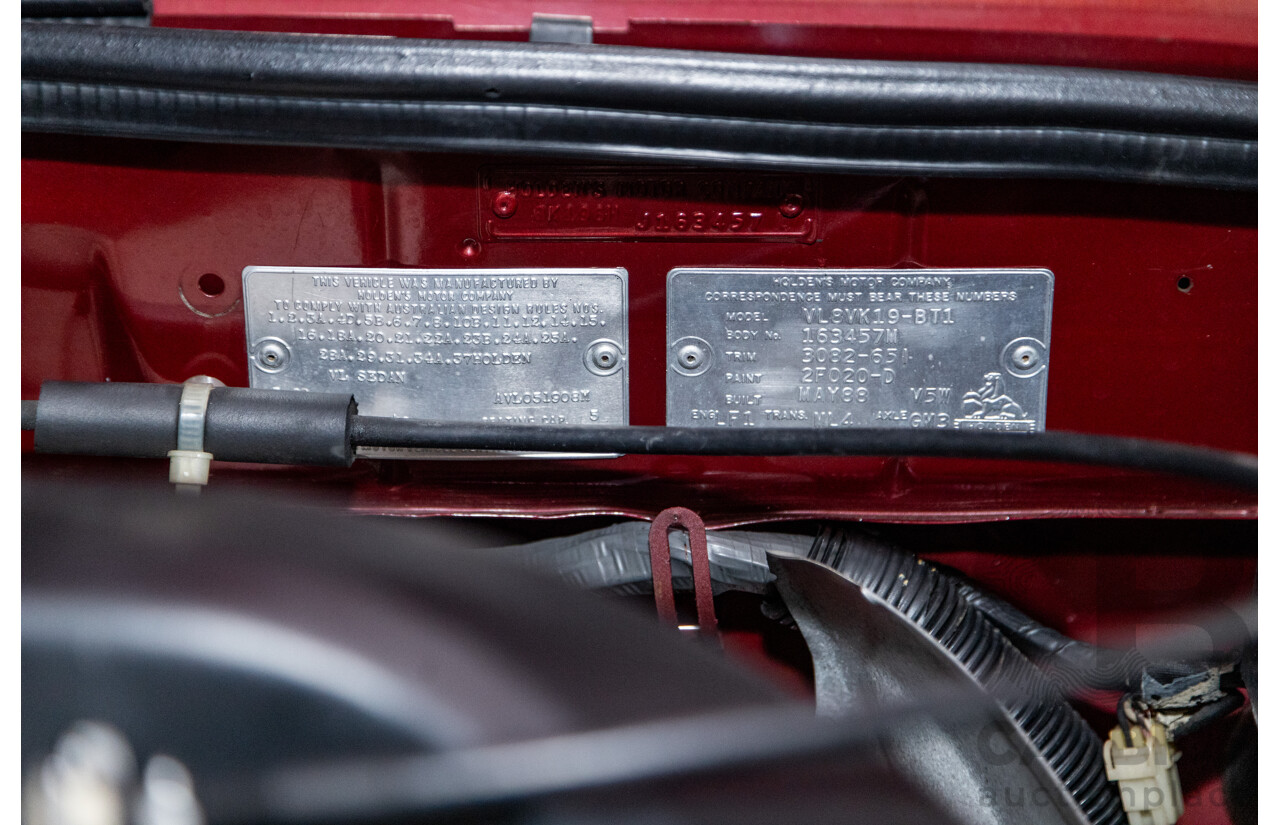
x: 656, y: 204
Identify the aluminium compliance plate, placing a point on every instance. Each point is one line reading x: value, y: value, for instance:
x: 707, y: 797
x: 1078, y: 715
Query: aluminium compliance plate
x: 544, y: 347
x: 963, y: 349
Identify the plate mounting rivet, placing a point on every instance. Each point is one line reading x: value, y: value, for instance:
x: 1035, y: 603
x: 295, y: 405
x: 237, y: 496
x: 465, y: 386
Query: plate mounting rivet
x: 604, y: 357
x: 1026, y: 358
x: 691, y: 356
x: 504, y: 204
x: 272, y: 355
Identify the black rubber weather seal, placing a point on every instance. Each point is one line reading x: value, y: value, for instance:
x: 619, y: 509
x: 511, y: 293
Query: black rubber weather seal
x: 647, y: 105
x: 96, y: 10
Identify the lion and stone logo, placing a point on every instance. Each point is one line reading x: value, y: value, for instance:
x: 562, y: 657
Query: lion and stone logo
x: 991, y: 408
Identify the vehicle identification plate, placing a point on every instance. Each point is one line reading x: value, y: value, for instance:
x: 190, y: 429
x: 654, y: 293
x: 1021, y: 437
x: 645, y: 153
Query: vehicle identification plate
x: 963, y: 349
x: 544, y: 347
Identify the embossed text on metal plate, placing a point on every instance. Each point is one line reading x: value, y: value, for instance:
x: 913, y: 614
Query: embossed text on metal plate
x: 963, y: 349
x: 588, y: 203
x: 522, y: 346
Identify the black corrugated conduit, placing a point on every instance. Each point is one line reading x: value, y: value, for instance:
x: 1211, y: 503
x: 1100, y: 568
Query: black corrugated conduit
x: 616, y: 558
x: 931, y: 600
x: 938, y: 602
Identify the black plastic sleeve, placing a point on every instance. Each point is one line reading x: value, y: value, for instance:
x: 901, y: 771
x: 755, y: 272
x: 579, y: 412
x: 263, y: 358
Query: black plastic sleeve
x: 126, y: 420
x: 275, y: 427
x: 141, y: 421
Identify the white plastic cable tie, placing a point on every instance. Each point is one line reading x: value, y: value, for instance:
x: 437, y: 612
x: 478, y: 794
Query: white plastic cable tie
x: 189, y: 463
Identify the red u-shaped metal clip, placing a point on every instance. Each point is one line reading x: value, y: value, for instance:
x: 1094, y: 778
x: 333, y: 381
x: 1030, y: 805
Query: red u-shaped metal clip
x: 660, y: 563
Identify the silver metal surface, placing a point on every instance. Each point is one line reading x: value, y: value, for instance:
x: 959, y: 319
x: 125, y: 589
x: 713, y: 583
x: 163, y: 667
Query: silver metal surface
x: 944, y: 348
x: 541, y: 347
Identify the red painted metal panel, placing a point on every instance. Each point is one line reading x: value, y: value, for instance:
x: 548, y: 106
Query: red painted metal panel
x: 132, y: 253
x: 1199, y: 37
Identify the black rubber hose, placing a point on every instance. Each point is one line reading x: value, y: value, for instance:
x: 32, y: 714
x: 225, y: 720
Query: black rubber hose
x: 931, y: 600
x: 146, y: 414
x: 1073, y: 664
x: 1234, y: 469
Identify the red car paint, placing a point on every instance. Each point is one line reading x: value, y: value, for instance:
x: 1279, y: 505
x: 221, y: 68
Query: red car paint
x: 132, y: 253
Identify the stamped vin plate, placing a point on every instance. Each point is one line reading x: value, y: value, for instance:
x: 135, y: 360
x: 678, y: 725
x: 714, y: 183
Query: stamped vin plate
x: 543, y: 347
x: 645, y: 204
x: 964, y: 349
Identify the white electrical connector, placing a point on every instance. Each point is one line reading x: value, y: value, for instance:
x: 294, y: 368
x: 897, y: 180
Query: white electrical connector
x: 1150, y: 790
x: 189, y: 463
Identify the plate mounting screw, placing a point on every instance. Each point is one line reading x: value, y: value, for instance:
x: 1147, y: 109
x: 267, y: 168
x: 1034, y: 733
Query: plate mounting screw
x: 791, y: 205
x: 504, y: 204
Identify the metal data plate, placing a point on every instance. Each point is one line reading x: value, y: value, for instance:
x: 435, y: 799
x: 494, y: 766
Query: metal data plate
x: 542, y: 347
x: 960, y: 349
